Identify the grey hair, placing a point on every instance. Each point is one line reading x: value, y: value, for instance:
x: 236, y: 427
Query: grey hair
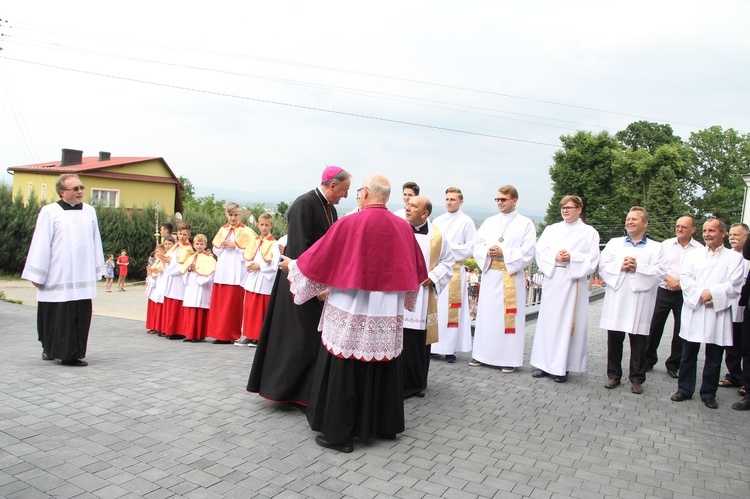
x: 379, y: 187
x: 745, y: 228
x: 340, y: 177
x: 60, y: 185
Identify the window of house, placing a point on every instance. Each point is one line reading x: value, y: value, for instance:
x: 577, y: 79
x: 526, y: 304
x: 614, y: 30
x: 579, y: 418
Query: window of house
x: 105, y: 198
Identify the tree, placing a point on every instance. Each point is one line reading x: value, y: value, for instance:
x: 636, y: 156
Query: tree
x: 584, y: 167
x: 647, y: 135
x: 719, y: 157
x: 664, y: 207
x: 189, y: 190
x: 282, y: 208
x: 208, y: 205
x: 17, y: 222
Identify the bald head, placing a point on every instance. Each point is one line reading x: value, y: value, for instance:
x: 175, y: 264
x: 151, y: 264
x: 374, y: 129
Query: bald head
x: 684, y: 229
x: 375, y: 190
x: 418, y: 210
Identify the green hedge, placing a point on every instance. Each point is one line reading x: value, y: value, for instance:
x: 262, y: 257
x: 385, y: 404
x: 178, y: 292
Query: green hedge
x: 132, y: 230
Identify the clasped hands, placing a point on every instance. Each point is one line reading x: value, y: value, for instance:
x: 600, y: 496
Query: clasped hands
x: 495, y: 252
x: 629, y: 264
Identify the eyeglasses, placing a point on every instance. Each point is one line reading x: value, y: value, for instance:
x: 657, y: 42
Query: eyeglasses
x: 77, y: 188
x: 568, y: 208
x: 681, y: 227
x: 501, y: 200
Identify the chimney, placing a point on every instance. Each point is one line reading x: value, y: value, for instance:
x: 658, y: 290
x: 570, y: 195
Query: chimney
x: 104, y: 156
x: 71, y: 157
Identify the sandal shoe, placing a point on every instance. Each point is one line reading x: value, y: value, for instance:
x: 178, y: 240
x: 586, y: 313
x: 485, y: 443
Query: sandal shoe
x: 726, y: 383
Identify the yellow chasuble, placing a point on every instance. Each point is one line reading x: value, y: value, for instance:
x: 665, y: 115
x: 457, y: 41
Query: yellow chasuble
x: 243, y: 235
x: 264, y: 243
x: 436, y: 244
x: 204, y: 264
x: 509, y: 295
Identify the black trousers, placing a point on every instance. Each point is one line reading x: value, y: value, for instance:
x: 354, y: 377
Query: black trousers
x: 416, y: 357
x: 733, y: 357
x: 745, y: 350
x: 711, y: 370
x: 666, y: 302
x: 638, y: 342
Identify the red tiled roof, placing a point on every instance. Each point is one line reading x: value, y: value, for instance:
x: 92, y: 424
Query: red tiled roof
x: 89, y: 163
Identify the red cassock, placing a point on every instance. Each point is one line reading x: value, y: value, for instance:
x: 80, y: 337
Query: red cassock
x: 225, y: 317
x: 194, y: 323
x: 153, y: 316
x: 256, y: 305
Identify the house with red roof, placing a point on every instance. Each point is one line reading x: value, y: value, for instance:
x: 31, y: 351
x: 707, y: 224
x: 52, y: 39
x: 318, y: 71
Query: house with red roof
x: 128, y: 182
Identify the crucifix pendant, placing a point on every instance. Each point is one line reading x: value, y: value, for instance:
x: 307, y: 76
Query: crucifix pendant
x: 501, y: 239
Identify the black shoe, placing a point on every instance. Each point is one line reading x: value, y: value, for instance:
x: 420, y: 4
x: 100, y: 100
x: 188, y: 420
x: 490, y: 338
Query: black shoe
x: 450, y: 359
x: 222, y: 342
x: 176, y: 337
x: 161, y: 335
x: 672, y: 373
x: 45, y: 356
x: 387, y: 436
x: 76, y: 362
x: 742, y: 405
x: 559, y: 379
x: 679, y: 397
x: 538, y: 373
x: 710, y: 403
x: 321, y: 440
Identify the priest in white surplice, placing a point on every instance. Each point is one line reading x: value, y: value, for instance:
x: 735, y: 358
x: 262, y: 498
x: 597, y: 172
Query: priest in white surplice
x: 505, y: 247
x: 711, y: 279
x: 421, y: 324
x: 64, y: 262
x: 454, y: 320
x: 566, y: 253
x: 632, y: 267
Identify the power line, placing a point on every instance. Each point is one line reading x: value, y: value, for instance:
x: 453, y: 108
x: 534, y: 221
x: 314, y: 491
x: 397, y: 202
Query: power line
x: 278, y: 103
x: 336, y: 88
x: 48, y: 30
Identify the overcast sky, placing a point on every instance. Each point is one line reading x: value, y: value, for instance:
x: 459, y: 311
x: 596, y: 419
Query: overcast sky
x: 246, y: 94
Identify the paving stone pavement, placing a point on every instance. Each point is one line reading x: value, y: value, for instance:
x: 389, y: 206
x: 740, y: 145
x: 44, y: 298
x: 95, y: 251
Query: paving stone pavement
x: 155, y: 418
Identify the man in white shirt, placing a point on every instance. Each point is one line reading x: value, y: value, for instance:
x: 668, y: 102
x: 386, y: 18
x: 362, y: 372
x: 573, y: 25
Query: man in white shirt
x: 454, y: 320
x: 409, y: 190
x: 669, y: 296
x: 711, y: 280
x: 504, y: 248
x: 632, y: 267
x: 737, y: 236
